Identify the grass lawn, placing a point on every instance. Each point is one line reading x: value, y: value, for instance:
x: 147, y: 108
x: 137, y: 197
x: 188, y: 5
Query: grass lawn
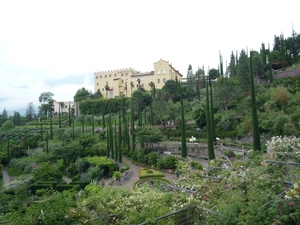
x: 14, y: 172
x: 144, y: 173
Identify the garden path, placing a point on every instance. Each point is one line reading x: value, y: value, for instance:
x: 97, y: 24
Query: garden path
x: 136, y: 172
x: 6, y: 177
x: 67, y: 179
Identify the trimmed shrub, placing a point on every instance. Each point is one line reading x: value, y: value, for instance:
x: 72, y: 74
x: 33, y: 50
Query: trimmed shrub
x: 149, y: 171
x: 76, y: 178
x: 39, y: 192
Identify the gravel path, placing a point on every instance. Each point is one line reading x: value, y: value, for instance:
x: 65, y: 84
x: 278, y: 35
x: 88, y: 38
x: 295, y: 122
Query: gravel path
x: 6, y: 178
x: 136, y: 173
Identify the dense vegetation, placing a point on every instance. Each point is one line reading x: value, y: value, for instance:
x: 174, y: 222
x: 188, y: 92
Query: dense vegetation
x: 260, y: 188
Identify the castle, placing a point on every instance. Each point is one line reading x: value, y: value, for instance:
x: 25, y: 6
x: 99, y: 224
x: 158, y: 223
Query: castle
x: 123, y: 82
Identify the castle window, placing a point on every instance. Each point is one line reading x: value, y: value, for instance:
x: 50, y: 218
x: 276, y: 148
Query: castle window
x: 106, y: 82
x: 158, y: 71
x: 158, y: 81
x: 115, y: 75
x: 164, y: 71
x: 164, y: 80
x: 96, y: 77
x: 105, y: 76
x: 97, y: 84
x: 100, y: 77
x: 126, y: 74
x: 122, y: 75
x: 109, y: 75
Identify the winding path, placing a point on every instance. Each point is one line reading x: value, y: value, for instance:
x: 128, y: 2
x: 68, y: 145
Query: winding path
x: 136, y: 173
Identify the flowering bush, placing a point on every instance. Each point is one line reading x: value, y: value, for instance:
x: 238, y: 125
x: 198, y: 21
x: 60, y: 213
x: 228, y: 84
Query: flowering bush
x: 284, y: 146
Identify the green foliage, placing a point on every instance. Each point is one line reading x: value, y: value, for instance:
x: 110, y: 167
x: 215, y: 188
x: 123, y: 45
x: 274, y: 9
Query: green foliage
x: 117, y: 175
x: 7, y: 125
x: 45, y: 171
x: 95, y: 172
x: 152, y: 158
x: 169, y: 162
x: 148, y: 135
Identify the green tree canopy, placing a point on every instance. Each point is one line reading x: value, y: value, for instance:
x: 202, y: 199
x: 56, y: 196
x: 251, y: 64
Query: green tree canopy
x: 83, y: 94
x: 171, y: 91
x: 45, y: 171
x: 225, y: 90
x: 148, y: 135
x: 8, y: 124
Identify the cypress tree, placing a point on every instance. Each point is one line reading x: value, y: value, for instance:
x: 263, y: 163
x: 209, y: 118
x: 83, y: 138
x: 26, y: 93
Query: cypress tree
x: 183, y: 136
x: 120, y: 137
x: 116, y: 142
x: 255, y: 129
x: 107, y: 143
x: 51, y: 131
x: 132, y: 127
x: 221, y: 63
x: 47, y: 149
x: 145, y: 115
x: 69, y: 115
x: 213, y: 131
x: 82, y: 124
x: 103, y: 117
x: 270, y: 66
x: 73, y: 131
x: 93, y: 125
x: 59, y: 117
x: 41, y: 121
x: 111, y: 137
x: 211, y: 153
x: 127, y: 136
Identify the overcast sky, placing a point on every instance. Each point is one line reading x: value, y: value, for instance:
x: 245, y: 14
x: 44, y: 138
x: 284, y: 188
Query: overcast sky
x: 56, y: 46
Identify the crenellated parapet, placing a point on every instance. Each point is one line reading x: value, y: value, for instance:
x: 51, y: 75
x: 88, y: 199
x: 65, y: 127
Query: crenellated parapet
x: 124, y: 70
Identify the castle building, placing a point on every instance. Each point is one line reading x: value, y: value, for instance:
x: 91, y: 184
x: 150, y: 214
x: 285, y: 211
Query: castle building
x: 123, y: 82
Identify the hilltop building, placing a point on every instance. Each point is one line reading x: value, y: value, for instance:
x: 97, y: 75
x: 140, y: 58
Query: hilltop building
x: 123, y: 82
x: 63, y: 107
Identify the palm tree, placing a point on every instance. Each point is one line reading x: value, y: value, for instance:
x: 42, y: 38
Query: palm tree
x: 131, y: 86
x: 139, y: 83
x: 106, y: 89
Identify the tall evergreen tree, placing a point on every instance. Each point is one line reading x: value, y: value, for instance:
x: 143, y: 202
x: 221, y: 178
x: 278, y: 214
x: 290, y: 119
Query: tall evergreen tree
x: 270, y: 66
x: 263, y: 53
x: 255, y: 129
x: 190, y: 77
x: 183, y: 135
x: 93, y: 124
x: 232, y: 68
x: 69, y: 115
x: 116, y: 142
x: 243, y: 71
x: 221, y: 63
x: 47, y: 139
x: 59, y: 117
x: 107, y: 143
x: 213, y: 131
x: 211, y: 152
x: 120, y: 138
x: 111, y: 137
x: 132, y: 127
